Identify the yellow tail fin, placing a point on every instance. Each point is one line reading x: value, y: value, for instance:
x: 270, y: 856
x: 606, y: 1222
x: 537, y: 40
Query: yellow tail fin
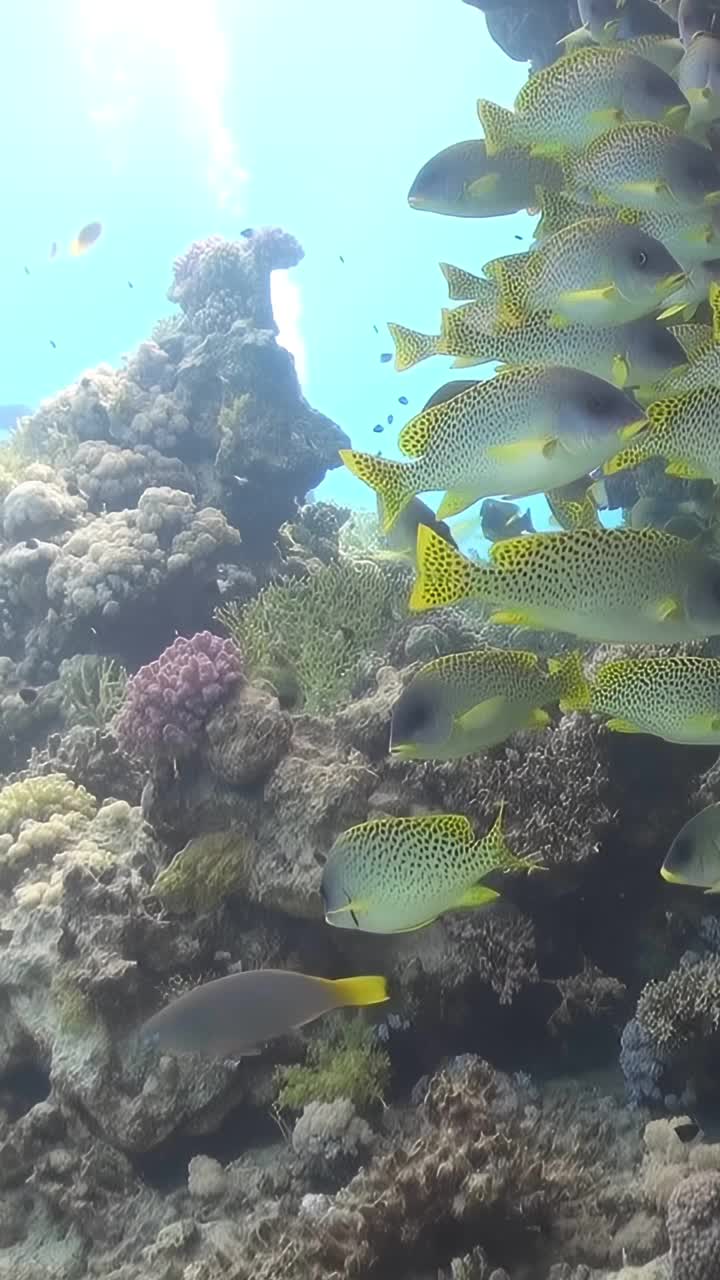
x: 572, y: 685
x: 411, y: 347
x: 360, y: 991
x: 444, y: 576
x: 463, y: 285
x: 499, y: 126
x: 392, y: 482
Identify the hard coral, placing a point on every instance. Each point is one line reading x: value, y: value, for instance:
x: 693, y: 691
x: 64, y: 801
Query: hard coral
x: 237, y: 270
x: 693, y: 1225
x: 169, y: 700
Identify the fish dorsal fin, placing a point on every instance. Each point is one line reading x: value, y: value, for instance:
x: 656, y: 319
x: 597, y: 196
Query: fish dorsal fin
x: 515, y: 553
x: 714, y: 300
x: 454, y: 826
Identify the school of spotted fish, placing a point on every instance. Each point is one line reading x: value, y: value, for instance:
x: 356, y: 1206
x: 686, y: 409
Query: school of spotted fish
x: 606, y: 340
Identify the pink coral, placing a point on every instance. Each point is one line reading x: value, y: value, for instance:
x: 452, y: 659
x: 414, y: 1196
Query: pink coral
x: 169, y: 700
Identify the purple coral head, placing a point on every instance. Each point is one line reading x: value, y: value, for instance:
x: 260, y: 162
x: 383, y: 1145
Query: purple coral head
x: 169, y: 700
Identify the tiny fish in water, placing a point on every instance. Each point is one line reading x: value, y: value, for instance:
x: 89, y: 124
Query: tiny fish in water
x: 500, y: 519
x: 386, y: 355
x: 375, y: 329
x: 232, y: 1017
x: 341, y: 258
x: 466, y: 702
x: 85, y: 238
x: 378, y: 428
x: 247, y: 232
x: 26, y: 270
x: 390, y: 419
x: 402, y: 400
x: 676, y: 698
x: 618, y: 585
x: 130, y: 284
x: 53, y: 250
x: 53, y: 344
x: 28, y: 695
x: 693, y: 858
x: 393, y: 875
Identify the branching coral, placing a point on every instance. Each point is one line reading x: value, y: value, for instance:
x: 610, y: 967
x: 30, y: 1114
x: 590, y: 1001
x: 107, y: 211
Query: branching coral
x: 39, y: 798
x: 684, y: 1007
x: 345, y: 1063
x: 169, y: 700
x: 693, y: 1224
x: 588, y: 993
x: 93, y: 689
x: 320, y: 628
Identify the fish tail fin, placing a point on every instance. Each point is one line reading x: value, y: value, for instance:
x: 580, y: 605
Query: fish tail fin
x: 444, y: 575
x: 499, y: 126
x: 360, y: 991
x: 496, y: 846
x: 463, y: 285
x: 411, y: 347
x: 526, y: 522
x: 390, y: 480
x: 572, y: 685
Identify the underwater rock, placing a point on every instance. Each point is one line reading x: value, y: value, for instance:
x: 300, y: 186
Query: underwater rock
x: 35, y: 509
x: 247, y: 737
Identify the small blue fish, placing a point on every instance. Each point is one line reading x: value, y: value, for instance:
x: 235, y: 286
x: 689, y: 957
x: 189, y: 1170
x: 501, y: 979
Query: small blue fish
x: 386, y: 355
x: 390, y: 419
x: 378, y: 428
x: 247, y: 232
x: 402, y: 400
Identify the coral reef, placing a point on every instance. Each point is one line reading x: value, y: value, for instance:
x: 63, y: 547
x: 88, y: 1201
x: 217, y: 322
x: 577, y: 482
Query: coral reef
x: 346, y: 1063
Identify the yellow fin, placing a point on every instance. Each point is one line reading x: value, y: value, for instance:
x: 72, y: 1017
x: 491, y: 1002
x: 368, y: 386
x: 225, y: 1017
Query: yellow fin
x: 672, y: 877
x: 391, y: 481
x: 417, y: 433
x: 620, y: 370
x: 457, y: 500
x: 359, y: 991
x: 499, y: 126
x: 571, y: 682
x: 669, y: 610
x: 519, y: 450
x: 463, y: 284
x: 477, y: 896
x: 621, y: 726
x: 714, y: 300
x: 607, y: 117
x: 485, y: 186
x: 479, y: 716
x: 708, y: 721
x: 686, y: 310
x: 684, y: 470
x: 512, y: 618
x: 411, y: 347
x: 602, y: 294
x: 464, y: 362
x: 444, y: 575
x: 648, y: 190
x: 630, y: 457
x: 538, y: 719
x: 558, y: 321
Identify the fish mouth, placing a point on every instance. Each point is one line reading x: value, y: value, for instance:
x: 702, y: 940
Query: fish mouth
x: 676, y: 117
x: 632, y: 428
x: 670, y: 283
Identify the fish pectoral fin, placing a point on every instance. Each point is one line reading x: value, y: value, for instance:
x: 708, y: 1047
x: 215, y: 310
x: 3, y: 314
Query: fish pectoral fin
x: 413, y: 928
x: 683, y: 309
x: 518, y: 450
x: 538, y: 719
x: 669, y: 610
x: 620, y: 370
x: 477, y: 896
x: 457, y: 500
x: 514, y: 618
x: 603, y: 293
x: 684, y: 470
x: 348, y: 908
x: 607, y: 117
x: 480, y: 716
x: 485, y: 186
x: 647, y: 189
x: 621, y: 726
x: 464, y: 362
x: 704, y: 721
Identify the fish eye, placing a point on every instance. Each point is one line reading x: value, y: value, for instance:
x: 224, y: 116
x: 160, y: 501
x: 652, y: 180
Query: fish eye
x: 640, y: 258
x: 598, y: 402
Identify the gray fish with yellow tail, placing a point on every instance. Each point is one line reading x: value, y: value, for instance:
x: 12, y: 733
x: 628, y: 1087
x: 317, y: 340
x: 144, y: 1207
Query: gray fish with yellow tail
x: 393, y: 875
x: 233, y: 1017
x: 466, y: 702
x: 594, y: 272
x: 644, y: 165
x: 580, y: 96
x: 616, y: 585
x: 524, y: 431
x: 676, y: 698
x: 463, y: 182
x: 693, y: 858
